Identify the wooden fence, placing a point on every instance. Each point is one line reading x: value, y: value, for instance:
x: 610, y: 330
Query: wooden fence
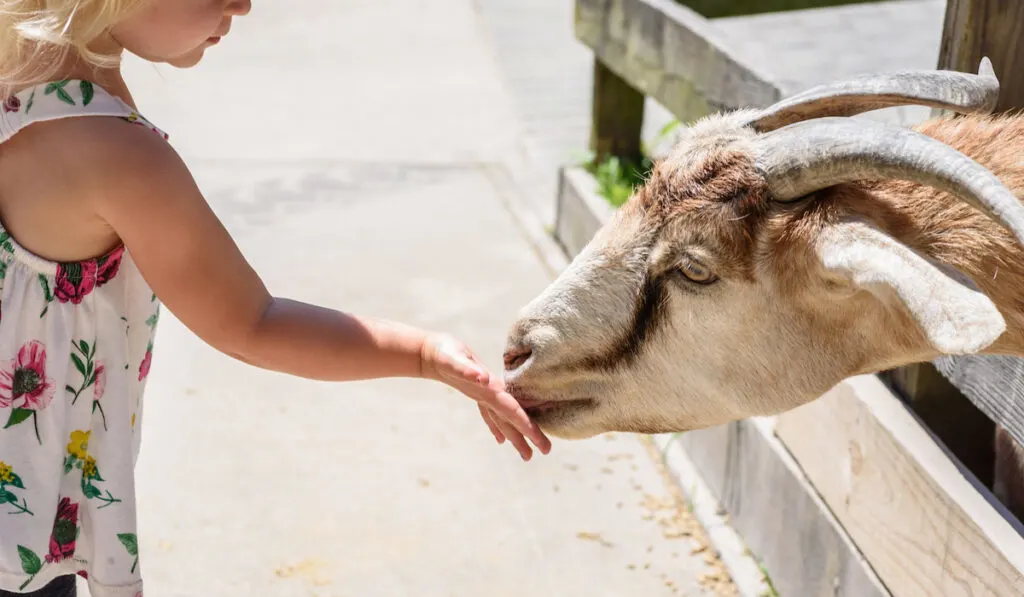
x: 880, y: 487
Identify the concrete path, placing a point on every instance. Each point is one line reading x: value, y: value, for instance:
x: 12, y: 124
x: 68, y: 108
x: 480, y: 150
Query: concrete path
x: 361, y: 154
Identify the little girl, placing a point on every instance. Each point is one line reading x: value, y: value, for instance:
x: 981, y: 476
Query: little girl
x: 101, y: 223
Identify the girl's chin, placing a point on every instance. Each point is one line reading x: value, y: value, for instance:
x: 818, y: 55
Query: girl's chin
x: 187, y: 60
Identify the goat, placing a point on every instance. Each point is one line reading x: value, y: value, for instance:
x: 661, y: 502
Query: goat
x: 773, y: 253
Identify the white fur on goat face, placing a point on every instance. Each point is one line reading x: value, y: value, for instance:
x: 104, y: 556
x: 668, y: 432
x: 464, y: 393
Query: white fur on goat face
x: 623, y: 341
x: 703, y: 356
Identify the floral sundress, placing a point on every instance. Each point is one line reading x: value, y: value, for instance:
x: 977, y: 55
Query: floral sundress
x: 76, y: 343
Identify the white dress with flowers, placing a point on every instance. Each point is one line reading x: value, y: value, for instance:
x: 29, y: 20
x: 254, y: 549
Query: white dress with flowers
x: 76, y: 341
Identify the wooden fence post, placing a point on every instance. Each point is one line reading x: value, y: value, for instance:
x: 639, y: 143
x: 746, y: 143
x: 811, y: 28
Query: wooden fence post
x: 618, y: 116
x: 993, y: 28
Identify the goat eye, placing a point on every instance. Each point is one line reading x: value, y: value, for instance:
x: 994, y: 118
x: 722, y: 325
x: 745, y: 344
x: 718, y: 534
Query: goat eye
x: 696, y: 272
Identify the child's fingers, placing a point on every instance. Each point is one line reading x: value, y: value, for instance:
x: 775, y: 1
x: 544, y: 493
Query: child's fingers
x: 505, y: 406
x: 491, y: 424
x: 517, y: 439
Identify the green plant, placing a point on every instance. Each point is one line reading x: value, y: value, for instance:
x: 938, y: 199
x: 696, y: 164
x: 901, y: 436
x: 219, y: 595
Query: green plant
x: 770, y: 591
x: 617, y: 177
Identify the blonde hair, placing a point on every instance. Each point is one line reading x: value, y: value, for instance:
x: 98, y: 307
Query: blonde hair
x: 36, y: 36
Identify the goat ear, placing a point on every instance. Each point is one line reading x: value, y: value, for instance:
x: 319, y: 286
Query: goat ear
x: 954, y: 316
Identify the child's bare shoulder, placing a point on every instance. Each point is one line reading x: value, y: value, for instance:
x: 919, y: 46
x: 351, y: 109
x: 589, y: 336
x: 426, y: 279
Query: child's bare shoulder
x: 61, y: 179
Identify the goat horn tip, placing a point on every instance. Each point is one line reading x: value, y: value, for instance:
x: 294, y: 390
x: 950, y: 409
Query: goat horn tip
x: 985, y: 68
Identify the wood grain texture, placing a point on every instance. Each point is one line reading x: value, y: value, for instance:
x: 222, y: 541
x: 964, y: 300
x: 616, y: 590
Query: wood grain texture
x: 993, y: 28
x: 778, y: 512
x: 949, y: 414
x: 925, y: 523
x: 995, y: 384
x: 673, y: 54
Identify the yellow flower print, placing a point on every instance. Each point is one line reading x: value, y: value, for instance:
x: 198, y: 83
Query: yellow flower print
x: 89, y: 470
x: 79, y: 446
x: 6, y: 473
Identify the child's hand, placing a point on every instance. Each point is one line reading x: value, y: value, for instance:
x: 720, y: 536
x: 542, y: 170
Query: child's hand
x: 448, y: 360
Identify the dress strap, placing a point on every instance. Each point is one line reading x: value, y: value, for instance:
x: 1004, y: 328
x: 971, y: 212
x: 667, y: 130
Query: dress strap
x: 63, y: 99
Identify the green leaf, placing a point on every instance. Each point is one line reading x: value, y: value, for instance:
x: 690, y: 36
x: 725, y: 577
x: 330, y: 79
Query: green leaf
x: 16, y: 481
x: 6, y: 497
x: 151, y: 322
x: 30, y: 562
x: 17, y: 416
x: 69, y: 463
x: 87, y: 92
x: 90, y: 491
x: 78, y: 364
x: 46, y: 288
x: 31, y: 100
x: 70, y: 389
x: 84, y: 347
x: 131, y: 544
x: 58, y: 87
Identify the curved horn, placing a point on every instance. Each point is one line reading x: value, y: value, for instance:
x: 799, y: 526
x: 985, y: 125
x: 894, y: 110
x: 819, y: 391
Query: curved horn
x: 945, y: 89
x: 807, y: 156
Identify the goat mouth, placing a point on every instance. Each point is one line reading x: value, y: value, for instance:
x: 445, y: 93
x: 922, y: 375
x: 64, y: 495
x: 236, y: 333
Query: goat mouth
x: 535, y: 408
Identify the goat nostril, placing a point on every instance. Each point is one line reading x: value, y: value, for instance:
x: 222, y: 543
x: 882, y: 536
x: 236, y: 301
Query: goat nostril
x: 515, y: 357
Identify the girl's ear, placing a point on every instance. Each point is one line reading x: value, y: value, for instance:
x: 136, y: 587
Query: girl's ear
x: 954, y: 316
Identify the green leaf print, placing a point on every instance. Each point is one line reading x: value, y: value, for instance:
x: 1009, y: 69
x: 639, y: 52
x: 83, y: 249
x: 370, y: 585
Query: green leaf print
x: 58, y: 87
x: 18, y: 415
x: 131, y: 545
x: 30, y: 564
x: 31, y: 100
x: 130, y: 542
x: 87, y: 92
x: 69, y: 463
x: 5, y: 242
x: 90, y: 491
x: 46, y: 294
x: 16, y: 481
x: 78, y: 364
x: 6, y: 497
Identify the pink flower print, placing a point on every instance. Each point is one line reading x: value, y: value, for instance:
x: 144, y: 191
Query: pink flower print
x: 12, y: 104
x: 107, y: 267
x: 74, y: 281
x: 25, y: 386
x: 99, y: 386
x: 65, y: 532
x: 146, y: 362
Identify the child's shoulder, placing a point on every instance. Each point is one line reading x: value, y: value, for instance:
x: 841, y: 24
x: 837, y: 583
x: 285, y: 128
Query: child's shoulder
x: 79, y: 124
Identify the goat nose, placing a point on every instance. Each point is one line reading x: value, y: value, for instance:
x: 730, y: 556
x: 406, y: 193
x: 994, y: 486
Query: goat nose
x: 515, y: 356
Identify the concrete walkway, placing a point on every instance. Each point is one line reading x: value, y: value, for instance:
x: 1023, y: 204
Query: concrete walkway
x: 361, y: 153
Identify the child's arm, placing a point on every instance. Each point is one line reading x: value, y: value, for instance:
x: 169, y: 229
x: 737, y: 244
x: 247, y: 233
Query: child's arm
x: 144, y: 191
